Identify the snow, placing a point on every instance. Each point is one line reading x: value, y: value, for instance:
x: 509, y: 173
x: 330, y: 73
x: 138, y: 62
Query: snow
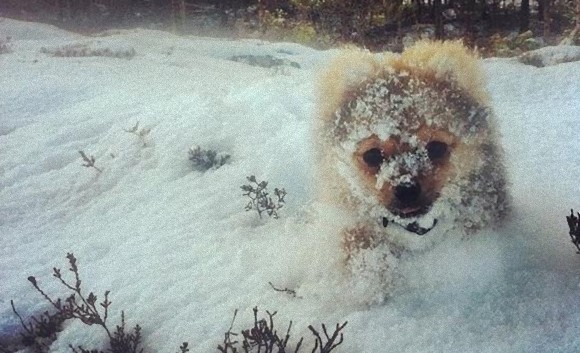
x: 180, y: 254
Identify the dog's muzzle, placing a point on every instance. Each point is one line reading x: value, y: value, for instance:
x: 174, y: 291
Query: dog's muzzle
x: 412, y: 227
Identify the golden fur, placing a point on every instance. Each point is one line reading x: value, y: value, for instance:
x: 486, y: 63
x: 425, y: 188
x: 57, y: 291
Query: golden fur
x: 408, y: 139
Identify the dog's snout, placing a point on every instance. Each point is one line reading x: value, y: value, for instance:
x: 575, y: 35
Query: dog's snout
x: 408, y: 192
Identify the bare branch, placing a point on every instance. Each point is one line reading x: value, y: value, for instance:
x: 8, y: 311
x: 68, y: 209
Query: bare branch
x: 89, y: 161
x: 285, y: 290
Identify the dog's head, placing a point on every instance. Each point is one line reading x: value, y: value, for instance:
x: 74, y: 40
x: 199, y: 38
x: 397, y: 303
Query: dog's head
x: 413, y: 141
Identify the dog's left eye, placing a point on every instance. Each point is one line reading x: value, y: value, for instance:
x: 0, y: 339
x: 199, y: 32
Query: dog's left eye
x: 436, y: 150
x: 373, y: 157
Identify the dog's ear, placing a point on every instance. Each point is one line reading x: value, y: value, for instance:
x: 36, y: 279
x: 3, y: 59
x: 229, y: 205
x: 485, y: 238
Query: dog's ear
x: 345, y: 74
x: 449, y: 60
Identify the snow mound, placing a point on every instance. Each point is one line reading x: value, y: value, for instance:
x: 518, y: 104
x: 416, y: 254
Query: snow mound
x: 19, y: 30
x: 549, y: 56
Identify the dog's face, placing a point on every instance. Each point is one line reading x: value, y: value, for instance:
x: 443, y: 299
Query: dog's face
x: 406, y: 178
x: 414, y: 142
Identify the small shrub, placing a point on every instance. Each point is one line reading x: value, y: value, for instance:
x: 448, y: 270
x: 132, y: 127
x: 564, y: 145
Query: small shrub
x: 5, y: 46
x: 120, y: 342
x: 83, y: 50
x: 260, y: 199
x: 207, y: 159
x: 574, y: 225
x: 40, y: 332
x: 184, y: 348
x: 263, y: 338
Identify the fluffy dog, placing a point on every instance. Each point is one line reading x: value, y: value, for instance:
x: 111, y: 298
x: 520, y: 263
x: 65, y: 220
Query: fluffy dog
x: 408, y: 148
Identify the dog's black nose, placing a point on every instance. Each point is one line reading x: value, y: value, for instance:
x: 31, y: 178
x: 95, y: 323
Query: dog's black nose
x: 408, y: 193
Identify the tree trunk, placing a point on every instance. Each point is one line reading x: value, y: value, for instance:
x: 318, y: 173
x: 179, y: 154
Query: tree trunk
x: 438, y: 20
x: 419, y: 11
x: 546, y: 17
x: 178, y: 15
x: 574, y: 36
x: 525, y: 16
x: 469, y: 19
x: 576, y: 31
x: 60, y: 10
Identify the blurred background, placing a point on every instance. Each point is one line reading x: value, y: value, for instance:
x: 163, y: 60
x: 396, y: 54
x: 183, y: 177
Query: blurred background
x: 496, y: 27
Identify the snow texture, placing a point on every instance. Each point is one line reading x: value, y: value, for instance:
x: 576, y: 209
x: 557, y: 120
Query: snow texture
x: 178, y: 251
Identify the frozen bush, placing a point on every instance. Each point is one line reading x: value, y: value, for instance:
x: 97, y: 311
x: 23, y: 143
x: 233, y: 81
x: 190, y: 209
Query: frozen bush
x: 40, y: 332
x: 264, y: 337
x: 207, y: 159
x: 260, y: 199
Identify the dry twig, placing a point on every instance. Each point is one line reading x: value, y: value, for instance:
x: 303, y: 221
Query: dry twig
x: 89, y: 161
x: 285, y: 290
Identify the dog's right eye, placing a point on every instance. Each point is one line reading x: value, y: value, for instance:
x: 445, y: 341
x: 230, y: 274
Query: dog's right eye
x: 436, y: 150
x: 373, y: 157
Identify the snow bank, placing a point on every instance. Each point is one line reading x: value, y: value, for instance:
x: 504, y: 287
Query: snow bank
x: 549, y: 56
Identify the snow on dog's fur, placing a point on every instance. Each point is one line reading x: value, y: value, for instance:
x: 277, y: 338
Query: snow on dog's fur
x: 408, y: 150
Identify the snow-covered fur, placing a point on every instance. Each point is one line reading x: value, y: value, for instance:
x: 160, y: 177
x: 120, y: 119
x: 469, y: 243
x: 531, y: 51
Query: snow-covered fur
x: 408, y: 150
